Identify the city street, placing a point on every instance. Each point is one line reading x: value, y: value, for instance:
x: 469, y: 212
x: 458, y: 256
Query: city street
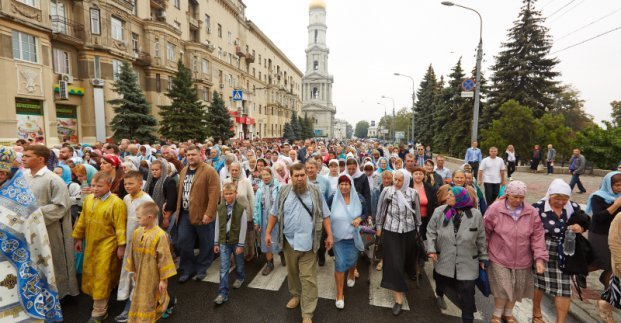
x: 263, y: 298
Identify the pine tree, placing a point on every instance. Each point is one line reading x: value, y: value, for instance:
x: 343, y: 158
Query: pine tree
x: 288, y: 133
x: 303, y: 128
x: 460, y: 122
x: 425, y: 106
x: 295, y: 125
x: 185, y: 118
x: 132, y: 119
x: 523, y: 70
x: 219, y: 120
x: 309, y: 127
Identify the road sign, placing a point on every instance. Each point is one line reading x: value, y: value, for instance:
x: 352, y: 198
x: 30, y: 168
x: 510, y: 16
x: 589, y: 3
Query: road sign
x: 467, y: 94
x: 238, y: 95
x: 399, y: 134
x: 468, y: 85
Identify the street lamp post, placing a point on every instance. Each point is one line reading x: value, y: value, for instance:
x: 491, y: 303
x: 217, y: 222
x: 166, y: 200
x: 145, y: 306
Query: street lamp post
x: 383, y: 134
x: 477, y: 88
x: 394, y: 133
x: 413, y: 103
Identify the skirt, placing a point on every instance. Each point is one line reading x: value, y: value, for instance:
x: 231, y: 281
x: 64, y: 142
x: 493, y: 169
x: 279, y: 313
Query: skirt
x: 345, y: 255
x: 612, y: 295
x: 510, y: 284
x: 601, y: 251
x: 553, y: 281
x: 274, y: 249
x: 399, y: 251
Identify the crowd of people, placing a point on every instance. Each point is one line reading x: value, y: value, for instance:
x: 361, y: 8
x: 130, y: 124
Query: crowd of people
x: 126, y: 217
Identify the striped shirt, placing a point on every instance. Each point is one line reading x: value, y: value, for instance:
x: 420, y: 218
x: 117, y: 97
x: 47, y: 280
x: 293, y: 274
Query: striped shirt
x: 394, y: 216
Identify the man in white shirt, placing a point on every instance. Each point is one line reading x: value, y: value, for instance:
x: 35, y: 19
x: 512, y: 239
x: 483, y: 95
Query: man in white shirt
x: 447, y: 175
x: 492, y: 175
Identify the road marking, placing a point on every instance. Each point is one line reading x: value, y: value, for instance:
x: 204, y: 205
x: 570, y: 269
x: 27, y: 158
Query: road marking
x: 523, y: 312
x: 379, y: 296
x: 213, y: 272
x: 451, y: 308
x: 273, y: 281
x: 325, y: 279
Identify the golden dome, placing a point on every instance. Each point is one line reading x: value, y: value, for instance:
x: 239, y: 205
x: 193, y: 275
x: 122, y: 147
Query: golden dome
x: 317, y: 4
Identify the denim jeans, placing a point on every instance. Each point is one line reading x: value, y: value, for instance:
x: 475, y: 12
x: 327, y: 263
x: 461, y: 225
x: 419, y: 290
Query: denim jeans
x: 226, y: 250
x: 575, y: 179
x: 188, y: 234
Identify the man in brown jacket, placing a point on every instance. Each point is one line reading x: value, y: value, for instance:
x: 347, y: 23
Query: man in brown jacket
x: 199, y: 192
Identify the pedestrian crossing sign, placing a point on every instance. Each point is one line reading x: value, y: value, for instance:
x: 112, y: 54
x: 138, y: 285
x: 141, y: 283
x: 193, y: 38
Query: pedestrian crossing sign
x: 238, y: 95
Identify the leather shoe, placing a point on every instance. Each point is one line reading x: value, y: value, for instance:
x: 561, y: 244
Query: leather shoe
x: 184, y: 278
x: 293, y: 303
x: 396, y: 309
x: 307, y: 320
x: 440, y: 302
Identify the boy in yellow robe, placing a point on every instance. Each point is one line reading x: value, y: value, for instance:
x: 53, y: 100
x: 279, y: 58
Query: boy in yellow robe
x: 102, y: 226
x: 151, y: 263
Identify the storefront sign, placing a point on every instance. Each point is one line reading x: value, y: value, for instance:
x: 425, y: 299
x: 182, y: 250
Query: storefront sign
x: 30, y: 122
x: 67, y: 123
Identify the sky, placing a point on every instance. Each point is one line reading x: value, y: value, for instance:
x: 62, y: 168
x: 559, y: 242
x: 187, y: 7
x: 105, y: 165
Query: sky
x: 371, y: 40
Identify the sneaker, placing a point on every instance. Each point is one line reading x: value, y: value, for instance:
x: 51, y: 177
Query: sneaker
x: 238, y: 283
x: 396, y: 309
x: 269, y: 267
x: 184, y: 278
x: 282, y: 259
x: 169, y: 310
x: 340, y: 303
x: 97, y: 319
x: 440, y: 302
x: 351, y: 282
x: 123, y: 317
x: 200, y: 277
x: 220, y: 299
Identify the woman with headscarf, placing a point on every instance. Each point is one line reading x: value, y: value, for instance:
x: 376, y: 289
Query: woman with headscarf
x: 515, y: 238
x: 281, y: 172
x: 245, y: 196
x: 346, y: 214
x: 264, y: 199
x: 383, y: 165
x: 459, y: 179
x: 163, y: 189
x: 397, y: 223
x: 456, y: 245
x: 216, y: 160
x: 111, y: 165
x: 75, y: 191
x: 603, y: 205
x: 146, y: 154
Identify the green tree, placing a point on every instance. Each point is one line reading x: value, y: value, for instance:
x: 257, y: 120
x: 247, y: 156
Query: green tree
x: 569, y: 104
x: 185, y: 117
x: 349, y: 130
x: 427, y: 98
x: 516, y: 126
x: 219, y: 120
x: 600, y: 145
x: 295, y: 125
x: 132, y: 119
x: 289, y: 134
x: 555, y: 132
x: 454, y: 116
x: 362, y: 129
x: 523, y: 70
x: 309, y: 127
x: 616, y: 112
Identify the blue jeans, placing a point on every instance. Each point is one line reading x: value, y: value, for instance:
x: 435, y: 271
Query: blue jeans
x: 188, y: 234
x: 225, y: 264
x: 575, y: 179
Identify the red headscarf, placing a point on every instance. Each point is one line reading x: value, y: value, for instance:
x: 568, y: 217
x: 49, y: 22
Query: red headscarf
x: 114, y: 160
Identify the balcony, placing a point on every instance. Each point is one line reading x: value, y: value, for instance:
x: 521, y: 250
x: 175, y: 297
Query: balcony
x: 67, y: 30
x: 239, y: 51
x: 249, y: 58
x: 143, y: 59
x: 127, y: 4
x: 159, y: 4
x: 193, y: 22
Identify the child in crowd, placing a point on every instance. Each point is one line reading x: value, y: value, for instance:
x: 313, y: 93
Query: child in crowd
x: 134, y: 198
x: 230, y: 234
x: 102, y: 226
x: 150, y: 261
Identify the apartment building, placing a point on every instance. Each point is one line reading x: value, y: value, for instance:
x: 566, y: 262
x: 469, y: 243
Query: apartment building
x: 59, y: 60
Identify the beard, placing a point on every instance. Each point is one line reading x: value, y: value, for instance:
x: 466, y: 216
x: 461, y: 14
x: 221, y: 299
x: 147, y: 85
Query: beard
x: 300, y: 188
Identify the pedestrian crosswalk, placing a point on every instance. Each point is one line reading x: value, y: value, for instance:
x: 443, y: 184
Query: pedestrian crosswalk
x: 378, y: 296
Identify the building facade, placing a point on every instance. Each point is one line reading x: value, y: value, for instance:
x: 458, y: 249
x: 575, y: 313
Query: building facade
x: 60, y: 59
x: 317, y: 82
x: 340, y: 129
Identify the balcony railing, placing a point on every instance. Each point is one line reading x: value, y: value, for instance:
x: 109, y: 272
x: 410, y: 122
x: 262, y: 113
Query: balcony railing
x: 159, y: 4
x: 239, y: 51
x: 64, y: 26
x: 194, y: 23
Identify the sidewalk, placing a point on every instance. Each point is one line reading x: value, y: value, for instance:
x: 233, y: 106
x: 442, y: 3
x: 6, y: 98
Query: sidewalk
x: 586, y: 310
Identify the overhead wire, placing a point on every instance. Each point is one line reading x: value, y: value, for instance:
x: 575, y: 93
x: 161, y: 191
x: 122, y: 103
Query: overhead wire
x: 589, y: 24
x: 586, y: 40
x: 547, y: 4
x: 567, y: 11
x: 559, y: 9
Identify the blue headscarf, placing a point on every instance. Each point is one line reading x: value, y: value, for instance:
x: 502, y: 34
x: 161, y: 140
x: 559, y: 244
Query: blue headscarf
x: 90, y: 172
x: 379, y: 168
x: 605, y: 191
x: 66, y: 176
x: 218, y: 161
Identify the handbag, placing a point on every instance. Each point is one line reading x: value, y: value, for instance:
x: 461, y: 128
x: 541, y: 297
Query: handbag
x: 482, y: 283
x: 501, y: 191
x: 358, y: 240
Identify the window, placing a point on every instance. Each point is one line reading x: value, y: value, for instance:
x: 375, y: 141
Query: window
x: 315, y: 36
x: 157, y: 48
x: 97, y: 67
x: 116, y: 69
x: 315, y: 65
x: 230, y: 77
x: 135, y: 43
x: 177, y: 24
x: 31, y: 3
x: 208, y: 23
x: 170, y: 83
x: 95, y: 22
x: 220, y: 30
x: 158, y: 83
x: 116, y: 28
x: 230, y: 58
x: 205, y: 66
x: 230, y: 38
x: 24, y: 46
x: 170, y: 51
x: 194, y: 64
x: 62, y: 61
x: 315, y: 93
x: 206, y: 94
x: 177, y: 4
x: 259, y: 59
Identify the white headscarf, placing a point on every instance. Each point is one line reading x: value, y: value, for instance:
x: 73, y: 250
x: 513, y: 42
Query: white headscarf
x: 559, y: 186
x: 406, y: 184
x: 358, y: 172
x: 341, y: 228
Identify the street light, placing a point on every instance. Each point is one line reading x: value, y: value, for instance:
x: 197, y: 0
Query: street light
x: 394, y: 134
x: 413, y: 103
x: 477, y: 88
x: 383, y: 134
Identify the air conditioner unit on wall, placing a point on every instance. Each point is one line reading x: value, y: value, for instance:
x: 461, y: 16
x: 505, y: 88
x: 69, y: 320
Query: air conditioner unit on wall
x: 97, y: 82
x: 63, y: 90
x: 67, y: 78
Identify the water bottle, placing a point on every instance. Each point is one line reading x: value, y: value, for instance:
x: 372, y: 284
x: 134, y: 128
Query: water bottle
x: 82, y: 195
x: 569, y: 245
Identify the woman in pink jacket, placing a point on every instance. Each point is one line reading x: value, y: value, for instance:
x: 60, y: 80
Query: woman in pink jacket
x: 515, y: 238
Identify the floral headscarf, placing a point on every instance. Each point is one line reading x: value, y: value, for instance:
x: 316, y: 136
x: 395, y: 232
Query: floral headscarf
x: 462, y: 202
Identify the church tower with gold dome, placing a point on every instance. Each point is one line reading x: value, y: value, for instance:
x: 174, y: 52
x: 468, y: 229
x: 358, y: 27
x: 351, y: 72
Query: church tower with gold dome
x: 317, y: 82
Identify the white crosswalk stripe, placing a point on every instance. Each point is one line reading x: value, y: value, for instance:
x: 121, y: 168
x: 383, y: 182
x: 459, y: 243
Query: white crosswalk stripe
x: 451, y: 308
x: 379, y: 296
x: 273, y: 281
